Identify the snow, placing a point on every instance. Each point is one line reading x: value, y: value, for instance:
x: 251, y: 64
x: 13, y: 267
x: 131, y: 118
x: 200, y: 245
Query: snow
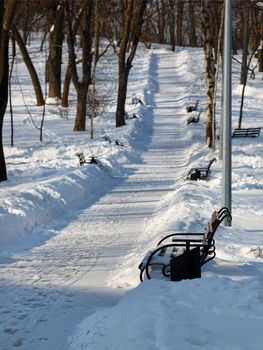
x: 72, y: 236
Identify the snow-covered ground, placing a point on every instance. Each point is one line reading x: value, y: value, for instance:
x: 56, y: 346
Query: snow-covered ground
x: 72, y: 237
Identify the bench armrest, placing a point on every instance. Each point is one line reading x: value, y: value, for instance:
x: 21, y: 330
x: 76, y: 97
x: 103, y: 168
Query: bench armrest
x: 180, y: 234
x: 186, y: 240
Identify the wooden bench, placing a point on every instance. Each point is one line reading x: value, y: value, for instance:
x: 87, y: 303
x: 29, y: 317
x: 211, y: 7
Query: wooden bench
x: 136, y: 100
x: 181, y: 255
x: 117, y: 142
x: 84, y: 160
x: 200, y: 173
x: 249, y: 132
x: 195, y: 119
x: 192, y: 107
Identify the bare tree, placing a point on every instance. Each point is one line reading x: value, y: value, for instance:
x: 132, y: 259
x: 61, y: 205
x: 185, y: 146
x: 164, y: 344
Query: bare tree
x: 81, y: 84
x: 133, y: 10
x: 7, y: 11
x: 30, y: 67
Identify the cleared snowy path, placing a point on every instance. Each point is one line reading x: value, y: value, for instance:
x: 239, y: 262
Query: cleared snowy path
x: 48, y: 290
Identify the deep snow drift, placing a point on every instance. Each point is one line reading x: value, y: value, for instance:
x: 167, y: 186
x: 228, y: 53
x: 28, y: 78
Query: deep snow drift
x: 72, y: 237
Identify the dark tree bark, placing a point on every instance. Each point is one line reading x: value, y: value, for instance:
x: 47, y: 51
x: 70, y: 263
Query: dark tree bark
x: 30, y: 67
x: 123, y: 68
x: 172, y: 24
x: 245, y: 17
x: 82, y: 85
x: 260, y: 58
x: 180, y: 15
x: 260, y: 51
x: 255, y: 35
x: 132, y: 30
x: 7, y: 11
x: 56, y: 37
x: 192, y: 24
x: 160, y: 8
x: 66, y: 86
x: 67, y: 80
x: 210, y: 74
x: 243, y: 91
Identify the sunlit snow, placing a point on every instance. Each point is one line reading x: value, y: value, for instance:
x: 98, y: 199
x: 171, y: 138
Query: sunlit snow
x: 72, y: 236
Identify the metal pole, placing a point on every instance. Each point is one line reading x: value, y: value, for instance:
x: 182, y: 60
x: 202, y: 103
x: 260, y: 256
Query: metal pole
x: 221, y: 116
x: 227, y: 111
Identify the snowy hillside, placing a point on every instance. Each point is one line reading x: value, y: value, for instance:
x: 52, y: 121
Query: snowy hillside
x: 72, y: 236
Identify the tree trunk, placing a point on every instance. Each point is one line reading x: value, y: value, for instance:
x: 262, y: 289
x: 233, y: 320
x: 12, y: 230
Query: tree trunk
x: 123, y: 79
x: 260, y: 58
x: 7, y: 10
x: 180, y: 15
x: 192, y: 32
x: 67, y: 81
x: 243, y: 91
x: 86, y: 36
x: 160, y: 21
x: 30, y: 67
x: 255, y: 37
x: 243, y: 75
x: 80, y: 120
x: 66, y: 86
x: 3, y: 98
x: 125, y: 66
x: 172, y: 24
x: 210, y: 75
x: 56, y: 37
x: 122, y: 94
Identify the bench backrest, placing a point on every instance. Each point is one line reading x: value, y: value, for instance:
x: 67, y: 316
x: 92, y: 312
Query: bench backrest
x: 216, y: 219
x: 246, y: 132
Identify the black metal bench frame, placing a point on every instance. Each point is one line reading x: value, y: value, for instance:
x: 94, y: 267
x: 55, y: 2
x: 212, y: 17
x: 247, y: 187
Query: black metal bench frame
x: 249, y: 132
x: 135, y: 100
x: 195, y: 119
x: 84, y: 160
x: 117, y: 142
x: 200, y: 173
x: 204, y: 242
x: 191, y: 108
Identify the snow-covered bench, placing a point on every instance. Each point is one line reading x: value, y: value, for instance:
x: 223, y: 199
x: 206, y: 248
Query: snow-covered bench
x: 249, y: 132
x: 180, y: 255
x: 194, y: 119
x: 135, y: 100
x: 84, y: 160
x: 200, y: 173
x: 192, y: 107
x: 108, y: 139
